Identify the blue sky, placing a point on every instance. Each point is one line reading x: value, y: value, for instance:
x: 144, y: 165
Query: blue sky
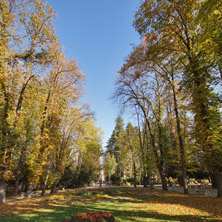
x: 98, y: 34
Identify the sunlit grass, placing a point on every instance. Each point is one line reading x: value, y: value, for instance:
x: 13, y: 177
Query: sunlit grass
x: 127, y: 204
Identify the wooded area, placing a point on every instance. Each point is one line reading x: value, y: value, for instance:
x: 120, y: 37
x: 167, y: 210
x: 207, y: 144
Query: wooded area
x: 47, y: 136
x: 171, y: 82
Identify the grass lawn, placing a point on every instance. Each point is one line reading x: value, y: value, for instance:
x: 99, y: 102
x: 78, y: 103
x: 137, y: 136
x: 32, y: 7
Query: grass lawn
x: 126, y: 204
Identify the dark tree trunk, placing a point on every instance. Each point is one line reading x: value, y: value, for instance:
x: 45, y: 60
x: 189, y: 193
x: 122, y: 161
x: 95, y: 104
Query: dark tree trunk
x: 180, y: 180
x: 219, y: 184
x: 145, y: 182
x: 142, y: 145
x: 213, y: 180
x: 19, y: 105
x: 29, y: 191
x: 19, y: 167
x: 42, y: 127
x: 23, y: 187
x: 153, y: 142
x: 53, y: 188
x: 3, y: 186
x: 151, y: 182
x: 134, y: 169
x: 163, y: 178
x: 16, y: 186
x: 158, y: 161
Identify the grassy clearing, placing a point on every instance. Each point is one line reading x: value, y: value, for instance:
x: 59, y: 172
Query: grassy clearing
x: 126, y: 204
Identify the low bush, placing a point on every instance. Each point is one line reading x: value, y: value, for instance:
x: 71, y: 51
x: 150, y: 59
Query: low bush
x: 115, y: 180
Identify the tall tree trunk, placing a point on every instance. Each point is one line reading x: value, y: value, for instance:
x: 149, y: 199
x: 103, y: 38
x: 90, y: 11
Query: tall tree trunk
x: 153, y: 142
x: 163, y: 178
x: 219, y: 184
x: 42, y: 127
x: 134, y: 169
x: 47, y: 176
x: 142, y: 145
x: 158, y: 161
x: 3, y: 186
x: 182, y: 151
x: 29, y: 191
x: 145, y: 182
x: 146, y: 141
x: 20, y: 100
x: 213, y: 180
x: 45, y: 181
x: 19, y: 166
x: 180, y: 180
x: 4, y: 144
x: 16, y: 185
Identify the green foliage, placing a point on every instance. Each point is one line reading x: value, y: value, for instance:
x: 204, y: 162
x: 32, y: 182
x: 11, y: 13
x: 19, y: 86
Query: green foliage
x: 116, y: 180
x: 109, y: 165
x: 172, y: 80
x: 44, y: 127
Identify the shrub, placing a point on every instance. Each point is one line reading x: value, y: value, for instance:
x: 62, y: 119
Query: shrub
x: 92, y: 217
x: 115, y: 180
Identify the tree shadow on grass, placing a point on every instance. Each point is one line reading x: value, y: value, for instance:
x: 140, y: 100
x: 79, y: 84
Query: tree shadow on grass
x: 60, y: 210
x: 211, y: 205
x: 62, y: 213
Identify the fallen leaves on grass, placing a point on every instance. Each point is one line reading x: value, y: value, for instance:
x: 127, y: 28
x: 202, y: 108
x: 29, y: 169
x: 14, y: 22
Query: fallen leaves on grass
x: 136, y: 203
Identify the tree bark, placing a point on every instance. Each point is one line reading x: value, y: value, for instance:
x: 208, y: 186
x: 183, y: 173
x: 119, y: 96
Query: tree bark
x: 182, y: 151
x: 18, y: 173
x: 158, y: 162
x: 53, y: 188
x: 219, y: 184
x: 142, y: 145
x: 213, y: 180
x: 145, y: 181
x: 19, y: 105
x: 29, y: 191
x: 47, y: 176
x: 3, y: 186
x: 134, y: 169
x: 45, y: 182
x: 16, y: 185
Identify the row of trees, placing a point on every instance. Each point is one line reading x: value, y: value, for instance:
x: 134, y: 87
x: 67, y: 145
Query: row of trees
x: 171, y: 82
x: 43, y: 126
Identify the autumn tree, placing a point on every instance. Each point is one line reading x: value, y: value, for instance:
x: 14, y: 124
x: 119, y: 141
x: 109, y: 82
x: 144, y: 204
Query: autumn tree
x: 84, y: 159
x: 40, y: 108
x: 135, y: 89
x: 173, y: 26
x: 109, y: 165
x: 27, y: 33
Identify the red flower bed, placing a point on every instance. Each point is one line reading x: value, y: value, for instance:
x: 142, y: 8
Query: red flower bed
x: 92, y: 217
